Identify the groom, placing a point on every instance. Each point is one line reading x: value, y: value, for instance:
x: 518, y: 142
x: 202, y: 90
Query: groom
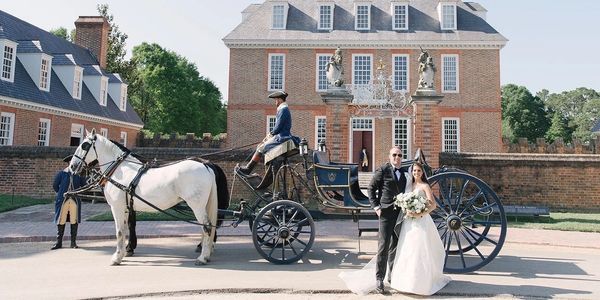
x: 389, y: 180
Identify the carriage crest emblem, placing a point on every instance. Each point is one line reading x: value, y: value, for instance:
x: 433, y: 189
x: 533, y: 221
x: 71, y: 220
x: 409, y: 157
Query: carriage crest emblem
x: 331, y: 176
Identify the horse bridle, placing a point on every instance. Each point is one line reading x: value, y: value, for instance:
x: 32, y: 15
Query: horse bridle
x: 86, y: 147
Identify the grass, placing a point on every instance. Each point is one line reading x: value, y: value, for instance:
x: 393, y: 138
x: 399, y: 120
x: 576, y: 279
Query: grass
x: 585, y: 222
x: 9, y: 202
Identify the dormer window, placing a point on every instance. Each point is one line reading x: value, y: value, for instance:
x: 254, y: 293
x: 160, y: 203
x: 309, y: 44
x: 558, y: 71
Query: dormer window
x: 45, y: 74
x: 326, y: 17
x: 103, y: 90
x: 279, y: 16
x: 8, y: 62
x: 77, y: 79
x: 363, y: 16
x: 123, y: 101
x: 447, y: 15
x: 399, y: 16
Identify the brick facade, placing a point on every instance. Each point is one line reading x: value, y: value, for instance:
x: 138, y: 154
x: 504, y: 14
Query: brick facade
x: 477, y: 104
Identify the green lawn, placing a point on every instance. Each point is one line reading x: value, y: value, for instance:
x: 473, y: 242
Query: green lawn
x: 8, y: 202
x: 587, y: 222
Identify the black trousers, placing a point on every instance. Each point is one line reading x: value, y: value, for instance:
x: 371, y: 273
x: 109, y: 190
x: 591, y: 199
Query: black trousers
x: 387, y: 241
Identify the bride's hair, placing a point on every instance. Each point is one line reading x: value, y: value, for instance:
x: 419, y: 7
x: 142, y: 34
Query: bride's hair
x: 423, y: 177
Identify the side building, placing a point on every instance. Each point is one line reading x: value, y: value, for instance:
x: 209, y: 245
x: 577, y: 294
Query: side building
x: 286, y: 45
x: 52, y: 90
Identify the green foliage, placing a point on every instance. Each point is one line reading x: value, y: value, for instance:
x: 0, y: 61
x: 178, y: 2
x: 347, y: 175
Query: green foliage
x: 585, y: 222
x: 558, y: 129
x: 61, y: 32
x: 586, y: 119
x: 523, y: 113
x: 10, y: 202
x: 173, y: 96
x: 115, y: 57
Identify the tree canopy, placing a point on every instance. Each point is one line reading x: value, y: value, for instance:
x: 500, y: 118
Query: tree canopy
x: 523, y: 113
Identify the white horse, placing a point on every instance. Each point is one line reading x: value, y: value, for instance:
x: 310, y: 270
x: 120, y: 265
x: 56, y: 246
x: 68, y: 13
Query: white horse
x: 201, y: 185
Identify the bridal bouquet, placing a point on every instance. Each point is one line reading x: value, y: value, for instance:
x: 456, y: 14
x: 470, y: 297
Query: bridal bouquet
x: 411, y: 202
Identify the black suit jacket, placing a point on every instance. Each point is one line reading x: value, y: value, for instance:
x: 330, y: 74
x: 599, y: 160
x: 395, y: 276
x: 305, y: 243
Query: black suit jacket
x: 384, y: 186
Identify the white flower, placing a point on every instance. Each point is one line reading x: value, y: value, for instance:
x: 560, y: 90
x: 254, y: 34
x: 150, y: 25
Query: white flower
x: 411, y: 202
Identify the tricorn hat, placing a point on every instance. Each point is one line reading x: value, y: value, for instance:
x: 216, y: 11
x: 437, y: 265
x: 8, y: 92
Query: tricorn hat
x: 68, y: 158
x: 278, y: 94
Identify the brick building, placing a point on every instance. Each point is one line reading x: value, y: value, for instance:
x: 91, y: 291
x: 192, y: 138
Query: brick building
x: 286, y: 44
x: 52, y: 90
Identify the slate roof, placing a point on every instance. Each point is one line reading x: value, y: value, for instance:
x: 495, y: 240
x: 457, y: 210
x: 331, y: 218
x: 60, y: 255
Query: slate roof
x: 24, y: 88
x: 423, y: 25
x: 596, y: 127
x: 63, y: 60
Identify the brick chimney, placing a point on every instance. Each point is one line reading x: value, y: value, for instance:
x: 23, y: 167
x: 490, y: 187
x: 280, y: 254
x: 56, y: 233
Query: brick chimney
x: 92, y: 32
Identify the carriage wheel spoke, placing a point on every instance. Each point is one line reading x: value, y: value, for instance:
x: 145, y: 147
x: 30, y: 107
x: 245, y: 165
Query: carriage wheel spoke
x: 471, y: 201
x: 283, y: 249
x: 300, y: 241
x: 460, y: 250
x: 477, y: 211
x: 293, y: 217
x: 460, y: 194
x: 483, y: 236
x: 448, y: 248
x: 267, y: 240
x: 293, y: 249
x: 471, y: 243
x: 273, y: 248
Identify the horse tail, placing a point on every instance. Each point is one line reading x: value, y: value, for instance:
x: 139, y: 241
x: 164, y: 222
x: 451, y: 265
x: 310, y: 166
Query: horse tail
x: 222, y: 189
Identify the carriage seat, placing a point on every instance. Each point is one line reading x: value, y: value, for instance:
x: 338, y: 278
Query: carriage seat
x: 285, y: 149
x: 338, y: 181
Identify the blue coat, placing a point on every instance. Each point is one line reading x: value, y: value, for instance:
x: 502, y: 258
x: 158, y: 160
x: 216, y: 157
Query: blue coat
x: 61, y: 185
x: 282, y: 130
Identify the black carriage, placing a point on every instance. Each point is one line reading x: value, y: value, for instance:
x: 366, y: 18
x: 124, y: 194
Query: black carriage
x: 470, y: 217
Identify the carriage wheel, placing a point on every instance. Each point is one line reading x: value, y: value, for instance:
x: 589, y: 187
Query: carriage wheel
x: 283, y: 231
x: 287, y: 185
x: 469, y: 217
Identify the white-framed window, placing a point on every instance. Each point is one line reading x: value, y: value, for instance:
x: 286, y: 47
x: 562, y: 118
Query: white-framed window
x: 270, y: 123
x: 362, y: 68
x: 45, y: 74
x: 123, y: 101
x: 104, y: 132
x: 123, y: 139
x: 320, y: 130
x: 322, y: 61
x: 399, y: 16
x: 401, y: 72
x: 8, y: 63
x: 44, y: 132
x: 401, y: 135
x: 279, y: 17
x: 450, y: 134
x: 276, y: 71
x: 447, y: 15
x: 77, y: 78
x: 7, y: 128
x: 362, y: 20
x: 450, y: 73
x: 325, y: 17
x: 103, y: 90
x: 362, y: 124
x: 76, y: 134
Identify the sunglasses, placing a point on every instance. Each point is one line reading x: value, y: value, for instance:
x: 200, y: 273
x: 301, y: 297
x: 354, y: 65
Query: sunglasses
x: 396, y: 154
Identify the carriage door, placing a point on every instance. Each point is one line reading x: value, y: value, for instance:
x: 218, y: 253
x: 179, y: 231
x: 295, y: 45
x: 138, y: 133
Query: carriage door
x: 362, y: 137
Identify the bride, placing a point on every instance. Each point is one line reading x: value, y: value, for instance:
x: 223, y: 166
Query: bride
x: 419, y: 261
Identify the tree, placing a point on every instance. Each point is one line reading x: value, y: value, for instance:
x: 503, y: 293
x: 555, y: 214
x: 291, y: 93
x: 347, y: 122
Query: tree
x: 558, y: 129
x: 523, y: 113
x: 115, y: 57
x: 64, y: 33
x: 585, y: 120
x: 173, y: 95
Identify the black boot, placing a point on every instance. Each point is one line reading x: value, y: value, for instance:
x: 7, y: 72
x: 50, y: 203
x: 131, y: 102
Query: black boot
x: 248, y: 168
x: 59, y: 236
x: 74, y: 235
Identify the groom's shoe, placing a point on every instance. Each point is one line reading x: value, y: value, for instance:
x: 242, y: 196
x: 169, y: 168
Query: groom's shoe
x: 379, y: 288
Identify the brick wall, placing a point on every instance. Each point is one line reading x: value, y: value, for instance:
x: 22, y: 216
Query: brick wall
x: 568, y: 182
x: 26, y: 128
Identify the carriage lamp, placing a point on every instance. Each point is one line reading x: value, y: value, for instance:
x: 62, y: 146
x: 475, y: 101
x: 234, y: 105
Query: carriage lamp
x: 303, y: 147
x: 322, y: 146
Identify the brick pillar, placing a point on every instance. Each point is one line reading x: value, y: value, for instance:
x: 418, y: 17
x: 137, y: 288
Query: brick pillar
x: 338, y: 119
x: 91, y: 32
x: 427, y: 126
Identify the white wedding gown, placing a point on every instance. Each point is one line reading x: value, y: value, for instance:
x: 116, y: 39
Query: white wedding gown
x: 418, y: 266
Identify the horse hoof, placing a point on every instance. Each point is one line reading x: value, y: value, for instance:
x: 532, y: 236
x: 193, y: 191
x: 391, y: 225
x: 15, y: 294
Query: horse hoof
x: 129, y: 253
x: 200, y: 262
x: 114, y: 263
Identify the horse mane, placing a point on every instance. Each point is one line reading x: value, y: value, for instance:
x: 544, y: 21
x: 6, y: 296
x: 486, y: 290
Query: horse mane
x: 126, y: 150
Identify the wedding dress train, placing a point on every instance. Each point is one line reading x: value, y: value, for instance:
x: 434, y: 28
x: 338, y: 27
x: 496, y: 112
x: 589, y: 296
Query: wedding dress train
x: 418, y: 266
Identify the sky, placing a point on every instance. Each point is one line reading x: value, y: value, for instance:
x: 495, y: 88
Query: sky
x: 553, y: 45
